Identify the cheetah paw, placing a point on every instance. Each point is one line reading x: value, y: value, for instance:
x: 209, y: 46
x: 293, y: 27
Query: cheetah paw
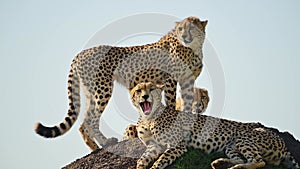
x: 221, y: 163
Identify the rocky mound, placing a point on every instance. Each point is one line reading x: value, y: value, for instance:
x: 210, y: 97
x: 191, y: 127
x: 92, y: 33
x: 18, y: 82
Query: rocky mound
x: 125, y: 154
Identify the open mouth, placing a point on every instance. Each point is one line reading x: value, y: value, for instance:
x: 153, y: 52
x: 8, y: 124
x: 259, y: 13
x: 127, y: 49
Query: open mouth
x: 146, y: 107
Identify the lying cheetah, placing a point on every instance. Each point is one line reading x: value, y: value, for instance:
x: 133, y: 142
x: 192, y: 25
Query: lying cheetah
x: 167, y: 133
x: 176, y: 57
x: 200, y: 104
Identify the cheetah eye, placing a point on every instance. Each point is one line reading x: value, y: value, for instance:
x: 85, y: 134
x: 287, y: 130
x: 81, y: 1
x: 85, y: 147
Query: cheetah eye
x: 138, y: 90
x: 180, y: 28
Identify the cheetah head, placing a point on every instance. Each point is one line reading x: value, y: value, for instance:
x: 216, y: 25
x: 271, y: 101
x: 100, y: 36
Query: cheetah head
x: 201, y: 100
x: 191, y: 32
x: 146, y: 97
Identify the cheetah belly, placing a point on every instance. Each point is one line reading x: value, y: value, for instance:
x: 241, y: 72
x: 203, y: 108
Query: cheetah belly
x: 208, y: 143
x: 148, y: 65
x: 210, y: 134
x: 131, y: 77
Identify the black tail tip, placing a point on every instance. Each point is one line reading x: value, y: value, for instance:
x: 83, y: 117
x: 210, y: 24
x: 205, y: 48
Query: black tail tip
x: 43, y: 130
x: 39, y: 128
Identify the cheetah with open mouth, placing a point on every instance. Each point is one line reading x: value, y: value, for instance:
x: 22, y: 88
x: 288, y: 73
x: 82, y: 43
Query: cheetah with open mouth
x: 167, y: 133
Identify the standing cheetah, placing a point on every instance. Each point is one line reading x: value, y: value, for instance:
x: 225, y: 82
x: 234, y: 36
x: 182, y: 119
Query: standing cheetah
x: 167, y: 133
x: 176, y: 57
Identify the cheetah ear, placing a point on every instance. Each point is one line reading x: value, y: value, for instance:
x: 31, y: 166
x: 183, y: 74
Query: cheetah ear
x: 176, y: 23
x: 205, y: 92
x: 204, y: 23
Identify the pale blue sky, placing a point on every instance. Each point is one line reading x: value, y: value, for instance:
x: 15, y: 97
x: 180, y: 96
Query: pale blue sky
x: 257, y: 43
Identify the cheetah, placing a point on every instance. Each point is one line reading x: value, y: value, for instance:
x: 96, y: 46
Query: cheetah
x: 200, y: 104
x: 176, y: 57
x: 167, y: 133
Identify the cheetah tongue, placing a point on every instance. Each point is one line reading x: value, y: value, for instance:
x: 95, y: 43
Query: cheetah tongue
x: 147, y: 107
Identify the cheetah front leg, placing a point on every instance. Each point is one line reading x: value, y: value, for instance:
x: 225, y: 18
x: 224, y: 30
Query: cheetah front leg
x: 151, y: 153
x: 170, y: 92
x: 187, y: 93
x: 169, y: 156
x: 130, y: 132
x: 88, y: 141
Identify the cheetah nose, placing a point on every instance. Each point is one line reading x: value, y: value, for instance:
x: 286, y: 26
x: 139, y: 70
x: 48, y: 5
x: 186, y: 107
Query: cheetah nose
x: 184, y: 36
x: 145, y: 97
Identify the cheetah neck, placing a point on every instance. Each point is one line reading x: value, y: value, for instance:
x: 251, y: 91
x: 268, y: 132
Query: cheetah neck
x: 159, y: 109
x: 197, y: 49
x: 173, y: 38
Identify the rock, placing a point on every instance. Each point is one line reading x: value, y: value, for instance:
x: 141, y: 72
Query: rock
x: 119, y: 156
x: 125, y: 154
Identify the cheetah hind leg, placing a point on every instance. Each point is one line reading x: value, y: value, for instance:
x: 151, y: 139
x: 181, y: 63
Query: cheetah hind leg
x: 227, y: 163
x: 100, y: 104
x: 91, y: 123
x: 249, y: 165
x: 221, y: 163
x: 92, y: 134
x: 234, y: 157
x: 85, y: 129
x: 88, y: 141
x: 254, y: 159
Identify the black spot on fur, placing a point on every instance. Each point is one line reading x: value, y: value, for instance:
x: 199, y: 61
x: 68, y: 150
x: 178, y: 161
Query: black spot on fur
x: 68, y: 120
x: 208, y: 147
x: 62, y: 126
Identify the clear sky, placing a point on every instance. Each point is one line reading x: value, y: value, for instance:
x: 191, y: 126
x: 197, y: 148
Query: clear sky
x: 257, y: 43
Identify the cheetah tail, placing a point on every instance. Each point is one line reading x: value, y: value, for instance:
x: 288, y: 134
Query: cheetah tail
x: 291, y: 162
x: 74, y: 108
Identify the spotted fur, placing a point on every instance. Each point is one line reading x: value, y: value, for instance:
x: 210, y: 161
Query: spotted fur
x: 200, y: 103
x: 176, y: 57
x: 168, y: 132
